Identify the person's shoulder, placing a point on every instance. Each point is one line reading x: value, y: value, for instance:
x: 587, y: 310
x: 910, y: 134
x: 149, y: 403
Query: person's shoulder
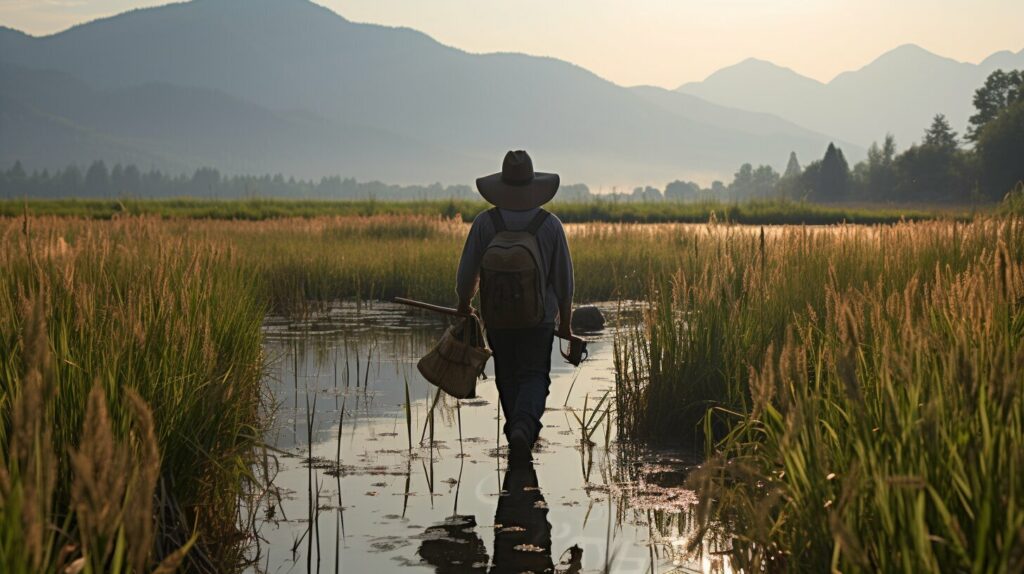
x: 482, y: 215
x: 553, y: 222
x: 482, y: 219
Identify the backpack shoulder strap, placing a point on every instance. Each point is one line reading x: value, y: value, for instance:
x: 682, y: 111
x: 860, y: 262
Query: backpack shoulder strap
x: 497, y: 220
x: 537, y: 221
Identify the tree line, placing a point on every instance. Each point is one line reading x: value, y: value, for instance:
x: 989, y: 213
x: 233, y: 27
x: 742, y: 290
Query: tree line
x: 984, y: 165
x: 128, y: 181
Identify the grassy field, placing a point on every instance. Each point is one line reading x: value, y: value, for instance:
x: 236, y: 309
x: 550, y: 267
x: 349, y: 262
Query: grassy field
x: 859, y: 391
x: 137, y: 339
x: 751, y: 212
x: 300, y: 261
x: 858, y: 388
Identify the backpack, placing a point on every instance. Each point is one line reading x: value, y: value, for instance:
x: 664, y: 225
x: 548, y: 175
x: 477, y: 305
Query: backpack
x: 512, y: 279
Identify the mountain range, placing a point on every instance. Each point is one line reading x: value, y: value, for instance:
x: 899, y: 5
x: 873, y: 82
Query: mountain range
x: 287, y: 85
x: 899, y: 93
x: 258, y: 86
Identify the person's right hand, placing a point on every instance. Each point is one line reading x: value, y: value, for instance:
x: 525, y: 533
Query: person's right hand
x: 564, y: 330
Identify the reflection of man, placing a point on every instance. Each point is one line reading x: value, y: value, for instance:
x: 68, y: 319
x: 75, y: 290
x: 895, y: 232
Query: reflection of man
x: 453, y: 547
x: 522, y: 534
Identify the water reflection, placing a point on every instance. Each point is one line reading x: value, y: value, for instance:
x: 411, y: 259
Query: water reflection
x: 522, y: 534
x: 370, y: 461
x: 454, y: 546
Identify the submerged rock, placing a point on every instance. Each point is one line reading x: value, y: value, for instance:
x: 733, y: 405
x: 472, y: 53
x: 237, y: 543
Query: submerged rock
x: 587, y: 319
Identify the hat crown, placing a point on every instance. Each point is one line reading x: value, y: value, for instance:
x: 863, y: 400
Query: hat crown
x: 517, y: 168
x: 517, y: 186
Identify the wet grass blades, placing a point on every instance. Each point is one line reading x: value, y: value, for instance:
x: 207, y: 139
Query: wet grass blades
x: 858, y: 392
x: 590, y: 419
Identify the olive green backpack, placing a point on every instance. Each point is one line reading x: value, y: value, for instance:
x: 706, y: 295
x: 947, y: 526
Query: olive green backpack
x: 512, y: 278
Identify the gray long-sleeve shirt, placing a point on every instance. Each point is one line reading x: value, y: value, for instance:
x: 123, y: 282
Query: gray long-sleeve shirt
x: 554, y: 251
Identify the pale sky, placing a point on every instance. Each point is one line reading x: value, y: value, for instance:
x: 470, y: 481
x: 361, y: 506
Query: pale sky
x: 658, y: 42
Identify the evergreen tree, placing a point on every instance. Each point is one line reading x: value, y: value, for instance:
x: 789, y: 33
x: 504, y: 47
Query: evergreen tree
x: 936, y: 169
x: 132, y: 180
x: 70, y: 181
x: 16, y: 173
x: 941, y: 135
x: 793, y: 169
x: 832, y: 181
x: 788, y: 186
x: 876, y: 177
x: 117, y: 179
x: 97, y: 179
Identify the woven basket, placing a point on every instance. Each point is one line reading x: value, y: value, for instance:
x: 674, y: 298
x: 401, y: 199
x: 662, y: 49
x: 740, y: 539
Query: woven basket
x: 457, y: 360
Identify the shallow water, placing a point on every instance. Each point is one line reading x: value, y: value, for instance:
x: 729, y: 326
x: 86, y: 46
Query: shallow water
x: 349, y: 494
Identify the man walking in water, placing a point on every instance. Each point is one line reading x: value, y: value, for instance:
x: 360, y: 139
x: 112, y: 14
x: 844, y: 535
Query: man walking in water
x: 519, y: 255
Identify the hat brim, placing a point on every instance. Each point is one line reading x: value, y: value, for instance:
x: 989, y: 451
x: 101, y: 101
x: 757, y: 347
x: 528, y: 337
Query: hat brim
x: 534, y: 193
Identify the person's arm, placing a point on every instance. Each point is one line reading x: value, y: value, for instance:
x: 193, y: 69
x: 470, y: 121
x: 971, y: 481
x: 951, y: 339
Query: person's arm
x: 469, y: 266
x: 562, y: 280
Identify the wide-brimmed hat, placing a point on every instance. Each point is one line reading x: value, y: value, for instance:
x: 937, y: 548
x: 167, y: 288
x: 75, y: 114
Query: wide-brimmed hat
x: 517, y: 186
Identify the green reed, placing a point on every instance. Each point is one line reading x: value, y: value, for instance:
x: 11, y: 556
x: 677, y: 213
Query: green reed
x: 128, y: 309
x: 858, y: 390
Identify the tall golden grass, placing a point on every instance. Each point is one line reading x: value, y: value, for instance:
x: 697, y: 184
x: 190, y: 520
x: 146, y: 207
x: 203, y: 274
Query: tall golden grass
x: 830, y: 371
x: 859, y: 391
x: 301, y: 261
x: 130, y: 367
x: 102, y: 322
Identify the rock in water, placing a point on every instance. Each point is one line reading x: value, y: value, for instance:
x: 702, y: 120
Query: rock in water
x: 587, y: 319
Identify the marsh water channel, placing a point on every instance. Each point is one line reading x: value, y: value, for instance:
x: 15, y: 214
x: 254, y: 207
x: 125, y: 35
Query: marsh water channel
x: 361, y: 483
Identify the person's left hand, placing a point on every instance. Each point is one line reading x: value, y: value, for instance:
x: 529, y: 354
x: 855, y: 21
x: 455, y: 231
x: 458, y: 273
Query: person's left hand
x: 466, y: 308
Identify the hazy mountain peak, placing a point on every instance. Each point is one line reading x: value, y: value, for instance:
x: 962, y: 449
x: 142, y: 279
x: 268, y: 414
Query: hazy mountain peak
x: 1005, y: 60
x: 909, y: 49
x: 1000, y: 55
x: 295, y: 6
x: 907, y: 67
x: 756, y: 85
x: 754, y: 69
x: 898, y: 92
x: 906, y: 55
x: 242, y: 12
x: 754, y: 62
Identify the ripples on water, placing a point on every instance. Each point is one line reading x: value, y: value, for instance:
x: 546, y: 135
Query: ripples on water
x: 349, y: 495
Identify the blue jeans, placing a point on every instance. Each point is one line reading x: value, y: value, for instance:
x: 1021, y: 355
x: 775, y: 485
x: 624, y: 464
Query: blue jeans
x: 522, y: 369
